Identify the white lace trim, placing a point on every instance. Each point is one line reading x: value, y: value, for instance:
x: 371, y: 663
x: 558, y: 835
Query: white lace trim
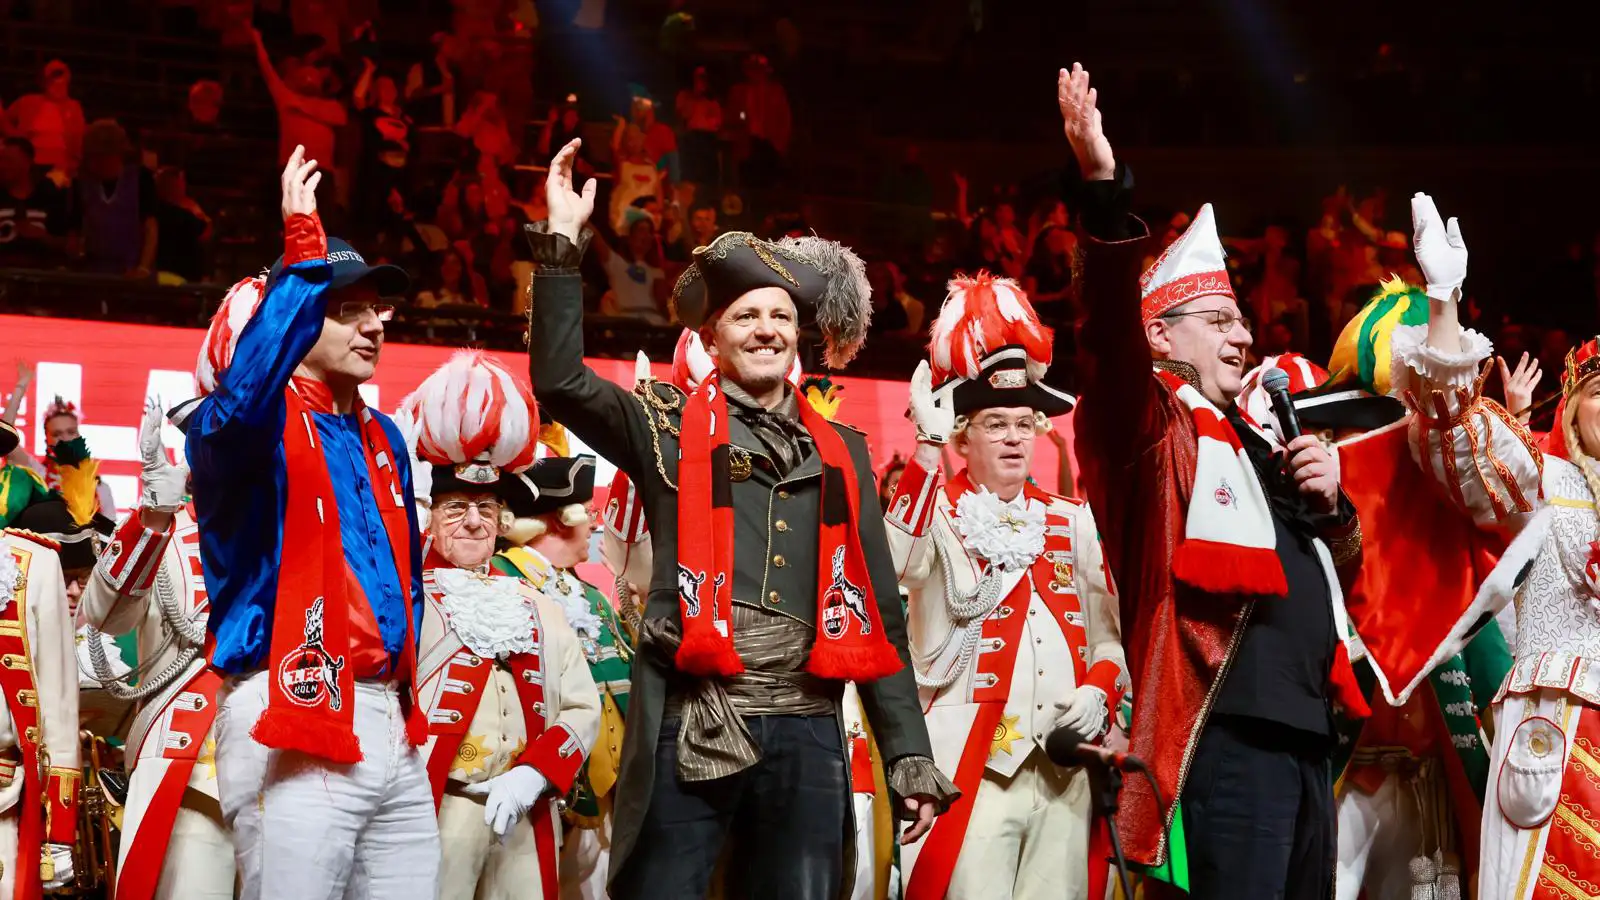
x: 1008, y: 535
x: 10, y: 572
x: 568, y: 591
x: 490, y: 613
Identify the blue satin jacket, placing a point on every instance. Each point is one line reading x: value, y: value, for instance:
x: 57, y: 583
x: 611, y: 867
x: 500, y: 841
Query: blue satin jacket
x: 235, y: 450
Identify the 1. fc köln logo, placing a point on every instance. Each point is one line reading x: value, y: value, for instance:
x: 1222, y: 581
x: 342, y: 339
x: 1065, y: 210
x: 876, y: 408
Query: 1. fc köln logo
x: 843, y: 600
x: 309, y: 675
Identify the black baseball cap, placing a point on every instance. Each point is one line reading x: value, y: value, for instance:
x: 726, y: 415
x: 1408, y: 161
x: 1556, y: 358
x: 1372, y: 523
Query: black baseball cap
x: 349, y: 267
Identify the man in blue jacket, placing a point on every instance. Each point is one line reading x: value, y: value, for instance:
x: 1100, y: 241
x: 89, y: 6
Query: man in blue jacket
x: 311, y: 552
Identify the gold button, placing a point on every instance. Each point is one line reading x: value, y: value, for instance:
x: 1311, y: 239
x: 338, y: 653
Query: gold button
x: 781, y: 525
x: 783, y: 495
x: 778, y: 561
x: 773, y: 598
x: 455, y: 716
x: 1039, y: 706
x: 1038, y: 640
x: 466, y: 689
x: 1041, y: 671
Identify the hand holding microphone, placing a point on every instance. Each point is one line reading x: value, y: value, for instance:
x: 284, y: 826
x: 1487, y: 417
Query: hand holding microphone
x: 1315, y: 472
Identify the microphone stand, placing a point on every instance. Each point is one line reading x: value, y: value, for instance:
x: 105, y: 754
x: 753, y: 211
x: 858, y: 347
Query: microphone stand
x: 1105, y: 783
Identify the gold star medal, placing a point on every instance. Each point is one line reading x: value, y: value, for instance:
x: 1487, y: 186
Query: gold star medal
x: 1005, y: 734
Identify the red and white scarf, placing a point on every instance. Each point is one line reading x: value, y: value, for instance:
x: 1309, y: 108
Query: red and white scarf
x: 850, y: 644
x: 311, y: 701
x: 1229, y: 542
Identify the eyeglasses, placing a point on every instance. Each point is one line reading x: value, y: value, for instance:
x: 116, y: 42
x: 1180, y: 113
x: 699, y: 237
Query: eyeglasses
x: 998, y: 429
x: 1222, y: 320
x: 351, y: 311
x: 451, y: 511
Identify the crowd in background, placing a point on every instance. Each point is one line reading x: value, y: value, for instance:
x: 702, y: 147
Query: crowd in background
x: 434, y: 154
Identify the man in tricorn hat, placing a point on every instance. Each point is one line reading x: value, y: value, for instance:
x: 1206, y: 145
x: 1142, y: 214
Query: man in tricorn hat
x: 772, y: 584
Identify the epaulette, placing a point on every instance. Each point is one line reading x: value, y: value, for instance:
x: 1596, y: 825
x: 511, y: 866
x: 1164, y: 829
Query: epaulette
x: 664, y: 392
x: 36, y: 537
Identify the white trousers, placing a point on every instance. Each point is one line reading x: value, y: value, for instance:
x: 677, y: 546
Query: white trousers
x: 866, y: 882
x: 1379, y: 834
x: 8, y: 854
x: 1028, y: 838
x: 199, y: 860
x: 312, y: 830
x: 478, y: 867
x: 585, y: 857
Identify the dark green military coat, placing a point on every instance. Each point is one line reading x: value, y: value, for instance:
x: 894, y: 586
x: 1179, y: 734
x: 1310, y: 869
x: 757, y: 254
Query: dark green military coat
x: 775, y: 536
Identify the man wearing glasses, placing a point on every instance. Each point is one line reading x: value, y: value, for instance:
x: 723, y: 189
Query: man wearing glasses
x: 512, y: 708
x: 308, y: 539
x: 1229, y: 549
x: 1014, y: 624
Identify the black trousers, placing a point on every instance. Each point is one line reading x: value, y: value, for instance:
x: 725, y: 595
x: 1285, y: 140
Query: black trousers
x: 787, y: 817
x: 1258, y: 814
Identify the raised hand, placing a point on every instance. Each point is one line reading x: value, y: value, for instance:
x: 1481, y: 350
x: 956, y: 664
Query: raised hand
x: 162, y: 484
x: 569, y: 209
x: 1080, y: 119
x: 299, y: 182
x: 1441, y: 253
x: 1519, y: 385
x: 934, y: 419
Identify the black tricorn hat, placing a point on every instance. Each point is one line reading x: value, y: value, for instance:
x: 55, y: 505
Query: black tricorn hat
x: 827, y: 281
x: 1326, y: 406
x: 1003, y: 381
x: 558, y: 481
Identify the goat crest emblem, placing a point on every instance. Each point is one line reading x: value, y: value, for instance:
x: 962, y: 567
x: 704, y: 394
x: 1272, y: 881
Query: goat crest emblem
x: 842, y: 600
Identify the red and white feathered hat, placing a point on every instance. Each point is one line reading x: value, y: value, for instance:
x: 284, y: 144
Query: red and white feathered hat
x: 1254, y: 403
x: 216, y: 353
x: 1193, y: 267
x: 691, y: 363
x: 988, y: 348
x: 477, y: 424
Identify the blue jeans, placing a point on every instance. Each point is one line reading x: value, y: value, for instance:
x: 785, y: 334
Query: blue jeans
x: 788, y: 816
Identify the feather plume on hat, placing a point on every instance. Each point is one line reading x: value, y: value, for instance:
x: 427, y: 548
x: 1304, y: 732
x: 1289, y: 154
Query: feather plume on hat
x: 827, y: 282
x: 472, y: 409
x: 216, y: 351
x: 981, y: 314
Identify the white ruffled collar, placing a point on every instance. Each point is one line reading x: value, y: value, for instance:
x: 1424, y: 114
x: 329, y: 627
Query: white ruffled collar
x: 566, y: 590
x: 490, y: 613
x: 10, y: 572
x: 1010, y: 535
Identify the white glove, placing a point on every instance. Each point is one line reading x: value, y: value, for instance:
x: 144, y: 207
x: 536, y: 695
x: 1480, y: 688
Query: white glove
x: 1084, y: 713
x: 61, y: 856
x: 509, y: 797
x: 699, y: 361
x: 164, y: 485
x: 932, y: 415
x: 1441, y: 254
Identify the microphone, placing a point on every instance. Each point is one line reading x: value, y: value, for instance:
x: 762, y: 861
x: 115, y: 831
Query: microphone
x: 1064, y: 748
x: 1276, y: 383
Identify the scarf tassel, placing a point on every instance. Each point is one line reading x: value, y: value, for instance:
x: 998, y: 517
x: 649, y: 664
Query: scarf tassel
x: 312, y: 733
x: 708, y: 654
x: 1345, y: 689
x: 860, y: 663
x: 1219, y: 568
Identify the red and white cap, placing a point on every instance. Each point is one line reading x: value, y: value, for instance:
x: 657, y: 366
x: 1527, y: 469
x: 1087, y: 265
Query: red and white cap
x: 1254, y: 403
x: 1193, y: 267
x: 216, y: 352
x: 473, y: 420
